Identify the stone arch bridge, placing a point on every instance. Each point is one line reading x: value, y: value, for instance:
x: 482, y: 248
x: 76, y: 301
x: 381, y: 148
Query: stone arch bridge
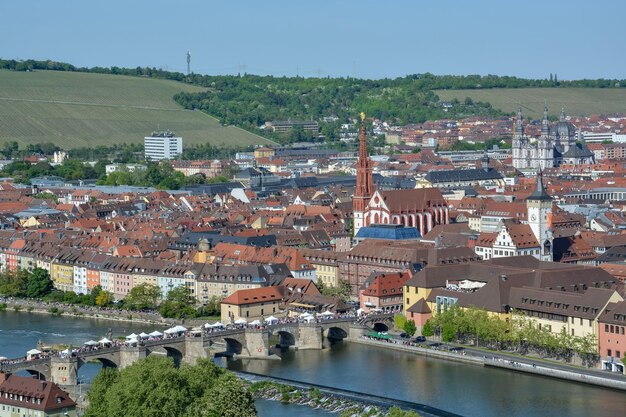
x: 245, y: 342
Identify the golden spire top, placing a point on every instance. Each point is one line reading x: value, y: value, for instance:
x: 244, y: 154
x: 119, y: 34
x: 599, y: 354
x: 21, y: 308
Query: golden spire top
x: 362, y: 116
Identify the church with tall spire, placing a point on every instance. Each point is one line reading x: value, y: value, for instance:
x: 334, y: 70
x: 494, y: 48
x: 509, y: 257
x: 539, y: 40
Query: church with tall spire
x: 555, y: 146
x: 421, y: 208
x: 364, y: 187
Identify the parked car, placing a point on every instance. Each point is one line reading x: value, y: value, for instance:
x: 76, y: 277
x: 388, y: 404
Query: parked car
x: 404, y: 335
x: 420, y: 339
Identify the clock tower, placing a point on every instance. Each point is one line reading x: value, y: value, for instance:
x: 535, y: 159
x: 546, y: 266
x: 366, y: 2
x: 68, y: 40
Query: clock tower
x: 539, y: 212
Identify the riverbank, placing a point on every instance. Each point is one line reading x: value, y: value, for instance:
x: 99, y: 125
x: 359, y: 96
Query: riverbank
x: 345, y: 403
x: 499, y: 360
x: 68, y: 310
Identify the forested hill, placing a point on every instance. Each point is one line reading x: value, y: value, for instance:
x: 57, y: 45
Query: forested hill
x: 248, y: 101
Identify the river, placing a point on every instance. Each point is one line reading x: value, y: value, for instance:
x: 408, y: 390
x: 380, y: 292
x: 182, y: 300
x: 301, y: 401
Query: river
x: 459, y: 388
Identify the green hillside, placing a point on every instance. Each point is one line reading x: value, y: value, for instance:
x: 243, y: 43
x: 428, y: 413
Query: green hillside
x: 73, y: 109
x: 577, y: 101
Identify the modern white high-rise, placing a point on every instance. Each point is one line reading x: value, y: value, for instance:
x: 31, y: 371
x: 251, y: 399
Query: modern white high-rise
x: 162, y: 145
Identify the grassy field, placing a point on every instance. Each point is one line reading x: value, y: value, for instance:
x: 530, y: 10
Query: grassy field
x: 80, y: 109
x: 577, y: 101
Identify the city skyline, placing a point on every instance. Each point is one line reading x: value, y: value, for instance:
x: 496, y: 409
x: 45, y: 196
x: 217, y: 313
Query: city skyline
x: 345, y: 38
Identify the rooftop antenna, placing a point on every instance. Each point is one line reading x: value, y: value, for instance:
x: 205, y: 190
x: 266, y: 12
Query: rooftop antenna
x: 188, y: 62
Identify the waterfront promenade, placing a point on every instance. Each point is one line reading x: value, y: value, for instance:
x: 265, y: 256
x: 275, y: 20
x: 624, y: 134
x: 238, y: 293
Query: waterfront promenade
x: 503, y: 360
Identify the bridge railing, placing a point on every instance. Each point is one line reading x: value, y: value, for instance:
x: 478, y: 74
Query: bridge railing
x: 22, y: 363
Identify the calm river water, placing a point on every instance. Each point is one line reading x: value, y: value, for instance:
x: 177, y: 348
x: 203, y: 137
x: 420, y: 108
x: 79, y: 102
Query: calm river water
x: 463, y: 389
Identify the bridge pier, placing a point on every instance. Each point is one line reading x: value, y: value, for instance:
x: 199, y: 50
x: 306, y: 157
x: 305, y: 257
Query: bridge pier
x: 357, y: 330
x: 310, y: 336
x: 64, y: 371
x: 131, y: 354
x: 194, y: 350
x: 257, y: 343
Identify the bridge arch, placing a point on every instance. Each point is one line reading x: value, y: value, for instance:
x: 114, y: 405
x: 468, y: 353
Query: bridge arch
x: 380, y: 327
x: 336, y: 333
x: 40, y: 375
x: 175, y: 354
x: 286, y: 338
x: 233, y: 346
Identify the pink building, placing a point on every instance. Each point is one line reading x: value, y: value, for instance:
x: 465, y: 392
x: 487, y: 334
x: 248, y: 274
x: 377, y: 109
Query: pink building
x: 383, y: 292
x: 612, y: 337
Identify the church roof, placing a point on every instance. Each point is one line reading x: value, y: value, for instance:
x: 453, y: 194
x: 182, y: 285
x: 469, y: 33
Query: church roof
x: 388, y: 231
x: 453, y: 175
x: 580, y: 150
x: 419, y: 199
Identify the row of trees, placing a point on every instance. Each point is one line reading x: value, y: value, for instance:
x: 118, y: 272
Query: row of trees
x: 178, y: 303
x: 70, y: 169
x: 157, y: 174
x: 425, y: 81
x: 521, y: 334
x: 155, y: 387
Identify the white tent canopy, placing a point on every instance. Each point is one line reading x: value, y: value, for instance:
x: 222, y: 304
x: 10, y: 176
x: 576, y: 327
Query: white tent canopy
x: 271, y: 320
x: 91, y: 343
x: 327, y: 313
x: 240, y: 321
x: 214, y: 325
x: 132, y: 341
x: 131, y: 336
x: 305, y: 315
x: 176, y: 329
x: 255, y: 323
x: 33, y: 352
x: 144, y: 335
x: 104, y: 341
x: 156, y: 333
x: 308, y: 318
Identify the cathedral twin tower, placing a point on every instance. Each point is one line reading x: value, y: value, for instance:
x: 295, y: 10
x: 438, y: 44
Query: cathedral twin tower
x: 555, y: 146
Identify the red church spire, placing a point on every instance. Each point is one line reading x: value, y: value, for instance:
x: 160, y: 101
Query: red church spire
x: 364, y: 188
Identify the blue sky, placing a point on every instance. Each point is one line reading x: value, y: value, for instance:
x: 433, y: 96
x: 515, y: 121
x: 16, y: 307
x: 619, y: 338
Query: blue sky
x: 373, y: 39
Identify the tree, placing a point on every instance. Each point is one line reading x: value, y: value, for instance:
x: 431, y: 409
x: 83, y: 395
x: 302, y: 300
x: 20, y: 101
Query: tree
x: 155, y: 387
x: 427, y: 329
x: 399, y: 320
x: 39, y: 283
x: 225, y: 399
x: 409, y: 327
x: 104, y: 298
x: 143, y: 297
x: 177, y: 304
x: 343, y: 290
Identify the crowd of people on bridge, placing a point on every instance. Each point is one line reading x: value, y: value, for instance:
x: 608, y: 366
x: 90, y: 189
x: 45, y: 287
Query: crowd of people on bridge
x: 179, y: 331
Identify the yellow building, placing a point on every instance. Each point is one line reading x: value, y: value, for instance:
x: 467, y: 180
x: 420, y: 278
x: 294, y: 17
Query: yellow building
x: 250, y: 305
x: 496, y: 286
x: 62, y: 275
x: 576, y: 313
x: 264, y: 152
x: 326, y: 265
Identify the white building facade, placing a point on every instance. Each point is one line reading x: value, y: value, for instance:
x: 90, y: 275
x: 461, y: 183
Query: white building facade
x: 162, y: 145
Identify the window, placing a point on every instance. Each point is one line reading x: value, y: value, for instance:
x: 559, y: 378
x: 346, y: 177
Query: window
x: 606, y: 327
x: 617, y: 353
x: 608, y: 352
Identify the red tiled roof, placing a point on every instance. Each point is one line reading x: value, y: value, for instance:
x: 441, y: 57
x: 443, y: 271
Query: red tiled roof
x: 253, y: 296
